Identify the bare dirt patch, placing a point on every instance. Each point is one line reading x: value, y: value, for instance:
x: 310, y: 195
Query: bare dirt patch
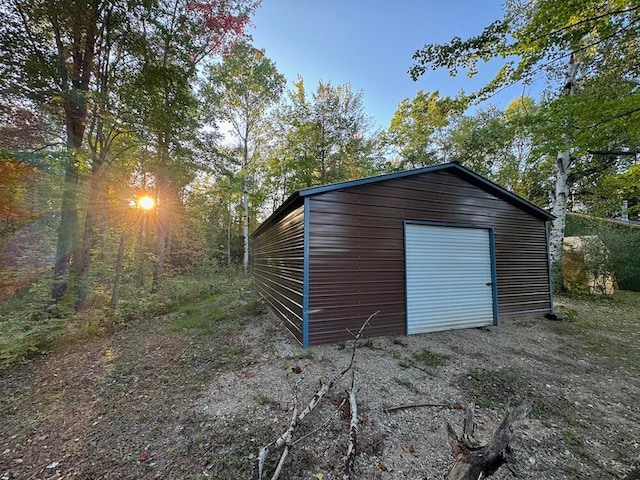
x: 196, y: 393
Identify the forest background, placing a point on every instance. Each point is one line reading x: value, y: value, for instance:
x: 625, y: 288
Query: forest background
x: 141, y: 142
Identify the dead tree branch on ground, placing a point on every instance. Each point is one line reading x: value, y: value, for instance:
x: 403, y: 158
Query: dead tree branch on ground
x: 285, y: 441
x: 421, y: 405
x: 474, y: 461
x: 352, y: 449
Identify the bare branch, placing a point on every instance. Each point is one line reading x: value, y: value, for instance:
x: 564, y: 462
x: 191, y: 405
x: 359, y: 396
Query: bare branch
x: 419, y: 405
x: 284, y: 441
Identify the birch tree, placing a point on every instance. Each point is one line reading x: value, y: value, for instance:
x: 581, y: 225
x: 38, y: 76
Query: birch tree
x: 582, y: 111
x: 324, y: 137
x: 239, y: 91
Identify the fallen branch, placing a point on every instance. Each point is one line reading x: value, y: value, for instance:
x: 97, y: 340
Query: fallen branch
x: 473, y: 461
x: 284, y: 441
x: 420, y: 405
x: 321, y: 427
x: 352, y: 449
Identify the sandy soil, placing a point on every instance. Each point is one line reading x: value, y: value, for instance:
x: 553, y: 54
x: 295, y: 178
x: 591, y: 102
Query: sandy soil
x: 151, y: 402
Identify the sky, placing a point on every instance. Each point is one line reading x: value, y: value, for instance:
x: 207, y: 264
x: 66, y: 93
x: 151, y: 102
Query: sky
x: 369, y: 44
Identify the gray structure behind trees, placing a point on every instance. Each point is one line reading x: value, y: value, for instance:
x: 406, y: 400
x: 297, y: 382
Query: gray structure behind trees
x: 431, y: 249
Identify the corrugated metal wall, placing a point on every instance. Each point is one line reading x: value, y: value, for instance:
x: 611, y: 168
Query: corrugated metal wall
x: 356, y: 250
x: 278, y: 262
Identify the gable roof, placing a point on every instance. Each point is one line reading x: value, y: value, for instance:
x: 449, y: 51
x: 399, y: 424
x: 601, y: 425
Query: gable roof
x: 296, y: 198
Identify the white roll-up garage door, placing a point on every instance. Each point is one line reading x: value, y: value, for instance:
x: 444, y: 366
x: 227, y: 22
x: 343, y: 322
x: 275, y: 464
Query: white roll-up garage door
x: 448, y: 278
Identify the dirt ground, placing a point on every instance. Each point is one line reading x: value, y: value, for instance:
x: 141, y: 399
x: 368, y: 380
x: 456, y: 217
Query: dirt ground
x: 169, y: 398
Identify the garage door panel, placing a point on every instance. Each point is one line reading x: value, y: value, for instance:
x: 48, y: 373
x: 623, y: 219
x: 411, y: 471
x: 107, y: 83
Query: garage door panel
x: 448, y: 278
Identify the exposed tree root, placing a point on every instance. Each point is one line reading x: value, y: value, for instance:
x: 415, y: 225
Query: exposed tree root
x: 474, y: 461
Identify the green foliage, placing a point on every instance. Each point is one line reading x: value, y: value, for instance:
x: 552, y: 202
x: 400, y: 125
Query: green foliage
x: 430, y: 359
x: 28, y: 325
x: 594, y: 117
x: 622, y: 242
x: 592, y: 325
x: 22, y: 338
x: 534, y: 35
x: 240, y: 89
x: 405, y: 383
x: 322, y: 139
x: 261, y: 399
x: 255, y: 308
x: 300, y: 354
x: 419, y: 127
x: 497, y: 388
x: 198, y: 316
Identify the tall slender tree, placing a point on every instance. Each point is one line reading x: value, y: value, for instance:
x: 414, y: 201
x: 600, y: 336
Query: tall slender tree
x: 239, y: 90
x: 538, y: 38
x: 326, y: 137
x: 47, y: 52
x: 176, y: 37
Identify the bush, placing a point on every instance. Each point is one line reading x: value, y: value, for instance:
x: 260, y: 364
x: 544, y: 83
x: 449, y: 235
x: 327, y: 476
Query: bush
x: 22, y: 337
x: 622, y: 242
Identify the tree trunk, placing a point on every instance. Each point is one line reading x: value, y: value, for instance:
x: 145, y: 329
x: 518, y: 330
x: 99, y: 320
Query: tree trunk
x: 75, y: 82
x: 141, y: 242
x: 474, y: 461
x: 82, y: 264
x: 162, y: 208
x: 115, y: 295
x: 68, y: 228
x: 245, y: 200
x: 559, y: 209
x: 562, y: 174
x: 229, y: 235
x: 245, y: 226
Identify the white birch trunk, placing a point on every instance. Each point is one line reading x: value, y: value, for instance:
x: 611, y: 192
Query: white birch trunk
x: 559, y: 209
x: 245, y: 201
x: 562, y: 173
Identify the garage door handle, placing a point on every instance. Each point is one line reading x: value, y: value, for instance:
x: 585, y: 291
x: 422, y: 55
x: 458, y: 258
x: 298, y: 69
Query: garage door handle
x: 489, y: 284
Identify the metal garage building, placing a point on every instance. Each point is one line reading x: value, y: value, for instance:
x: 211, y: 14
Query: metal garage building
x: 432, y: 249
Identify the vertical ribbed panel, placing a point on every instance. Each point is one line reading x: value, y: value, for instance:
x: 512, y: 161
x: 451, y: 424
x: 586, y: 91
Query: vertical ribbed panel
x: 448, y: 278
x: 278, y: 263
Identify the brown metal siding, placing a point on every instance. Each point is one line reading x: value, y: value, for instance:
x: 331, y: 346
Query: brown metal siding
x: 278, y: 254
x: 356, y: 250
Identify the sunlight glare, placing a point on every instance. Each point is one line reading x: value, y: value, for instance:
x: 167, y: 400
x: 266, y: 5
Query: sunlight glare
x: 146, y: 202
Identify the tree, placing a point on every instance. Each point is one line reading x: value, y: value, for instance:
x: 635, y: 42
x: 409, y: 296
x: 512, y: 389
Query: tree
x: 47, y: 52
x: 177, y: 36
x: 323, y: 139
x: 239, y: 91
x: 498, y: 144
x: 419, y: 127
x: 600, y: 39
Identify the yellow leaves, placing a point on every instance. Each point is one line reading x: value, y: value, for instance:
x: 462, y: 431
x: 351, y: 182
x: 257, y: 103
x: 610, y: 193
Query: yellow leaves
x: 110, y: 354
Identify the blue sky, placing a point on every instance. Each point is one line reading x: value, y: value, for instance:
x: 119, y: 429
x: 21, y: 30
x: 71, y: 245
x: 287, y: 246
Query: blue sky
x: 369, y: 43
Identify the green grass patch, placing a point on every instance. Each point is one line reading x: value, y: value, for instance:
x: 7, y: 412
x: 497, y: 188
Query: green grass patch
x: 502, y: 388
x: 609, y: 327
x: 200, y: 314
x: 260, y: 399
x: 405, y: 383
x: 22, y: 338
x: 495, y: 388
x: 255, y: 308
x: 430, y: 359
